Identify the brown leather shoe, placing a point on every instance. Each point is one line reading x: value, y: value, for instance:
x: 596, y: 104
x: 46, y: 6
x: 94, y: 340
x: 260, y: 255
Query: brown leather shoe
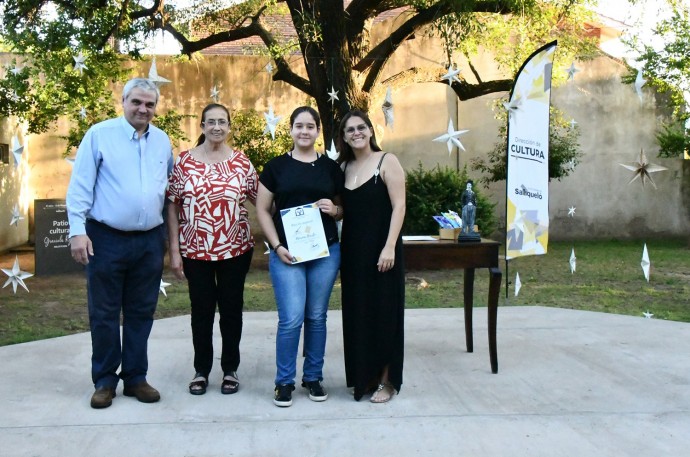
x: 143, y: 391
x: 102, y: 397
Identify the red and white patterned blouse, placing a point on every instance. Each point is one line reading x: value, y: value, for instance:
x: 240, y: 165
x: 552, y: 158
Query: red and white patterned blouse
x: 214, y: 223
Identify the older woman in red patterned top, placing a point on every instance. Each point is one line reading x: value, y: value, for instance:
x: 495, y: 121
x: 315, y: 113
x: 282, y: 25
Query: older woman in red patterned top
x: 210, y: 241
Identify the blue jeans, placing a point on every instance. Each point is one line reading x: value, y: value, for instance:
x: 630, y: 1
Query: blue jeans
x: 302, y: 292
x: 123, y: 276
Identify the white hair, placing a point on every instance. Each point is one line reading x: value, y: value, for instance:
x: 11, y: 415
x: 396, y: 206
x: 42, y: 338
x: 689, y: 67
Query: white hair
x: 140, y: 83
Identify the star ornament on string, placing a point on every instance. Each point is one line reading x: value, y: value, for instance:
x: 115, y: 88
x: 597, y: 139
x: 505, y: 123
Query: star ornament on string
x: 16, y: 276
x: 215, y: 94
x: 639, y: 82
x: 573, y: 123
x: 571, y: 71
x: 332, y: 152
x: 387, y: 108
x: 451, y: 75
x: 645, y: 263
x: 518, y: 284
x: 163, y: 285
x: 333, y: 95
x: 82, y: 112
x: 572, y: 261
x: 16, y: 216
x: 643, y: 169
x: 79, y: 63
x: 271, y: 122
x: 513, y: 106
x: 451, y: 137
x: 571, y: 211
x: 17, y: 150
x: 16, y: 71
x: 268, y: 68
x: 154, y: 77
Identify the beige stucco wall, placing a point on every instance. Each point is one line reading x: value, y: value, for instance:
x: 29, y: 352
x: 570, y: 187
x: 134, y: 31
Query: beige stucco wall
x: 613, y: 122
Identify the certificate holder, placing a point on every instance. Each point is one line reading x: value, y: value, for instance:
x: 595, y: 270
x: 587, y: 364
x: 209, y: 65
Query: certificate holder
x: 304, y: 232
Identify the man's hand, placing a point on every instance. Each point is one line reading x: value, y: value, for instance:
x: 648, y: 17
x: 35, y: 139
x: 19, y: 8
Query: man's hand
x: 81, y: 248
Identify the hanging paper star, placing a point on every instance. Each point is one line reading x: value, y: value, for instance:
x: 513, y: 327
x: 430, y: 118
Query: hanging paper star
x: 268, y: 68
x: 154, y: 77
x: 16, y: 70
x: 572, y: 261
x: 332, y: 152
x: 643, y: 169
x: 451, y: 137
x: 79, y: 63
x: 268, y: 248
x: 571, y: 164
x: 82, y: 112
x: 571, y: 71
x: 639, y: 82
x: 215, y: 94
x: 387, y: 108
x: 647, y: 314
x: 17, y: 150
x: 513, y: 106
x: 571, y: 211
x: 333, y: 95
x: 271, y: 122
x: 14, y: 96
x: 16, y: 216
x: 573, y: 123
x: 645, y: 264
x: 518, y: 284
x: 451, y: 75
x: 162, y: 287
x: 16, y: 276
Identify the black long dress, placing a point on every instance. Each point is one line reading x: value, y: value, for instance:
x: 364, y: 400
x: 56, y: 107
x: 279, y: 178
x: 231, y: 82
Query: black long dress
x: 373, y: 303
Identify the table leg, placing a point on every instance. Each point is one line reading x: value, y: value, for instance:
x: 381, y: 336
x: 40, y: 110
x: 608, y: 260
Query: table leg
x: 494, y: 289
x: 468, y: 298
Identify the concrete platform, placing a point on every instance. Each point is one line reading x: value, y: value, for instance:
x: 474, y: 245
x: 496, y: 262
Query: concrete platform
x: 570, y: 383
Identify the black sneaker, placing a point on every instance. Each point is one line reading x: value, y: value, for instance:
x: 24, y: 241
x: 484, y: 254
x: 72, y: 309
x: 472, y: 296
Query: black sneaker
x: 283, y: 395
x: 316, y: 390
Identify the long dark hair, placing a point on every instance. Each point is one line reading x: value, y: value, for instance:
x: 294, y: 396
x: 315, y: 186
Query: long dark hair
x: 209, y: 107
x: 346, y: 152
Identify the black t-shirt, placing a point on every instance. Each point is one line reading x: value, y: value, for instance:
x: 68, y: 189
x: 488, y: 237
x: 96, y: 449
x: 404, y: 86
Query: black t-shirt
x: 295, y: 183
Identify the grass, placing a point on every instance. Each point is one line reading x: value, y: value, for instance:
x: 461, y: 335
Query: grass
x: 608, y: 279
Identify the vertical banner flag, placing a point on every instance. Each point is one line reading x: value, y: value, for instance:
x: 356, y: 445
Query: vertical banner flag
x: 527, y: 182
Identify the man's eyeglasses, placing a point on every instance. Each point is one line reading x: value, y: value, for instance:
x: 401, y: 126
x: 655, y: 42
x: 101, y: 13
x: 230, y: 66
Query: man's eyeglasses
x: 214, y: 122
x: 360, y: 128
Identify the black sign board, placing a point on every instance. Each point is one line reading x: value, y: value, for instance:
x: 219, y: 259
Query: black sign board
x: 52, y: 254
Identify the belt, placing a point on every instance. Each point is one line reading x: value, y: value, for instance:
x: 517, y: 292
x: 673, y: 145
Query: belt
x: 118, y: 231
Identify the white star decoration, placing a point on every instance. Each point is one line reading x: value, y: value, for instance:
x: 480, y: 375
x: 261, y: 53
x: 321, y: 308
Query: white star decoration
x: 643, y: 169
x: 16, y: 70
x: 513, y: 106
x: 268, y: 68
x: 82, y: 112
x: 333, y: 95
x: 451, y: 137
x: 573, y: 123
x: 572, y: 261
x: 571, y: 211
x: 451, y: 75
x: 571, y: 71
x: 79, y: 63
x: 387, y: 108
x: 154, y: 77
x: 17, y: 150
x: 16, y: 216
x: 271, y: 122
x: 639, y: 82
x: 332, y: 152
x: 162, y: 287
x: 518, y: 284
x: 16, y: 276
x: 647, y: 314
x: 215, y: 94
x: 645, y: 264
x: 268, y: 248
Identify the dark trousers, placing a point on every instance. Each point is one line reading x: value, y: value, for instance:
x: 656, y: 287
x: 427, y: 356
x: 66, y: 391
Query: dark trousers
x: 123, y: 277
x: 218, y: 283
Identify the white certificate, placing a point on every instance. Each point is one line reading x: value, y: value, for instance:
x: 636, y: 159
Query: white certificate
x: 304, y: 232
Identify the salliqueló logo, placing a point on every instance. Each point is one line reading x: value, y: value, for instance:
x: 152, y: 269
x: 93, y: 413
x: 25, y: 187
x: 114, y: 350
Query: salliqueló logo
x: 529, y: 193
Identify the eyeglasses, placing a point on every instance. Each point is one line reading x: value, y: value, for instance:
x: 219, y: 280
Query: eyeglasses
x: 361, y: 128
x: 214, y: 122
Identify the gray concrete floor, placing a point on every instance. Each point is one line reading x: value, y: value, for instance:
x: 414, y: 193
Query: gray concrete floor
x: 570, y: 383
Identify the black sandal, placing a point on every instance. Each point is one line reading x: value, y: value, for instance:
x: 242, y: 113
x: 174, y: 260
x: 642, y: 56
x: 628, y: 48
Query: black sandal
x: 231, y: 383
x: 198, y: 384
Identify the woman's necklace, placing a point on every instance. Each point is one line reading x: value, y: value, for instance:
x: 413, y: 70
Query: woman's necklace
x: 363, y: 167
x: 312, y: 163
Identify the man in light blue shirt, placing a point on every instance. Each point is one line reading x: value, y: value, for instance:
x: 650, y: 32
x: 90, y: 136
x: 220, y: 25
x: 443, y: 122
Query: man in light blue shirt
x: 115, y: 204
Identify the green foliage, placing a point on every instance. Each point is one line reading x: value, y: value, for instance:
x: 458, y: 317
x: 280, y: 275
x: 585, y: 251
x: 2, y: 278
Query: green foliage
x: 564, y: 149
x: 430, y: 192
x: 666, y: 68
x: 249, y: 137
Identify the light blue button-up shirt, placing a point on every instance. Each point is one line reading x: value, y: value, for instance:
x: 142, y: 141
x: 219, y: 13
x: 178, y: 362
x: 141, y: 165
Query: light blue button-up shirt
x: 119, y: 179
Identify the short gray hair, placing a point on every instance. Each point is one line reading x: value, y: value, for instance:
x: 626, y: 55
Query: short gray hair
x: 140, y: 83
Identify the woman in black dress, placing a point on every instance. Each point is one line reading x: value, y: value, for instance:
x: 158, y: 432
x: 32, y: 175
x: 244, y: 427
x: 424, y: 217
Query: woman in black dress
x: 372, y: 270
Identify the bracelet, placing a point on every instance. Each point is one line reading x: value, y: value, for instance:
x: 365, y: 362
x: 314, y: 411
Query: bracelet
x: 279, y: 245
